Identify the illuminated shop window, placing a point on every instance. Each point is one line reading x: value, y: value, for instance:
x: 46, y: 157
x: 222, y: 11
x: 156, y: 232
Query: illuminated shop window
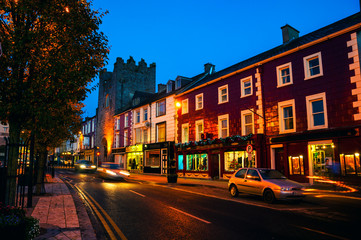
x: 197, y: 162
x: 237, y: 159
x: 296, y: 165
x: 180, y: 162
x: 152, y: 159
x: 350, y: 164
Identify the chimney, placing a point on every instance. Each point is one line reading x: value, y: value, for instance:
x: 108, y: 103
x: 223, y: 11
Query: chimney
x: 289, y: 33
x: 209, y: 68
x: 161, y: 87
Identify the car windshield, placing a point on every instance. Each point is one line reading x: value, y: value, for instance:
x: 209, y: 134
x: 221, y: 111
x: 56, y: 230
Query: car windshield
x: 271, y: 174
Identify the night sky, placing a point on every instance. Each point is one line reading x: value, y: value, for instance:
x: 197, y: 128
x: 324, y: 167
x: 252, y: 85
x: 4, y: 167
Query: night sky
x: 181, y: 36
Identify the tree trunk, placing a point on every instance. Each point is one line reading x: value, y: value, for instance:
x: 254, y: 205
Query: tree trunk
x: 41, y: 166
x: 12, y: 164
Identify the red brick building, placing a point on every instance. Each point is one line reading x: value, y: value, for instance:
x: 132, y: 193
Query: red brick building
x: 298, y: 105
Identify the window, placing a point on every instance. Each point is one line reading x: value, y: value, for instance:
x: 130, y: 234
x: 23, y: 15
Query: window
x: 316, y: 111
x: 126, y: 120
x: 107, y: 100
x: 199, y: 101
x: 284, y: 75
x: 117, y: 140
x: 161, y: 132
x: 145, y: 135
x: 223, y: 130
x: 137, y: 116
x: 125, y: 138
x: 169, y: 87
x: 117, y: 123
x: 161, y: 108
x: 223, y: 94
x: 178, y: 83
x: 246, y: 86
x: 199, y: 129
x: 93, y: 125
x: 313, y: 66
x: 238, y: 159
x: 197, y: 162
x: 296, y: 165
x: 185, y: 132
x: 92, y: 141
x: 247, y: 122
x: 184, y: 106
x: 138, y: 135
x: 287, y: 116
x: 145, y: 114
x: 180, y: 162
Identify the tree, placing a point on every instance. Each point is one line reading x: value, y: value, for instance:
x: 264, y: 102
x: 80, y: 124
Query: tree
x: 52, y: 50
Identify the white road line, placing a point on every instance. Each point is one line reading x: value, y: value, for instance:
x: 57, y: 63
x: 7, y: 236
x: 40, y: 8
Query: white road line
x: 190, y: 215
x: 137, y: 193
x: 323, y: 233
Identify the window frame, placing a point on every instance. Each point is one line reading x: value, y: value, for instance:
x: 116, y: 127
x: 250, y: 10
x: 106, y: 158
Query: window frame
x: 306, y: 65
x: 220, y: 118
x: 165, y: 131
x: 198, y: 135
x: 145, y: 114
x: 243, y: 121
x: 279, y: 75
x: 249, y: 78
x: 158, y: 114
x: 185, y: 125
x: 185, y: 106
x: 220, y: 94
x: 281, y: 106
x: 125, y: 138
x: 196, y: 101
x: 309, y: 100
x: 126, y: 120
x: 137, y: 116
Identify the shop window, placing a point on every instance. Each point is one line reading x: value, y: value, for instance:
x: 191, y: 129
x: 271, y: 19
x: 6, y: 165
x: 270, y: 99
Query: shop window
x: 238, y: 159
x: 350, y: 164
x: 296, y: 165
x: 197, y: 162
x: 152, y: 159
x: 180, y: 162
x: 135, y: 160
x: 322, y: 157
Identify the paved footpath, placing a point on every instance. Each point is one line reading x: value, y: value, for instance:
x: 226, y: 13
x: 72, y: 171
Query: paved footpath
x: 58, y: 214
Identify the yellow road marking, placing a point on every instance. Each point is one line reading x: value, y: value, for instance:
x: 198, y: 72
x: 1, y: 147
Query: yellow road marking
x: 116, y: 228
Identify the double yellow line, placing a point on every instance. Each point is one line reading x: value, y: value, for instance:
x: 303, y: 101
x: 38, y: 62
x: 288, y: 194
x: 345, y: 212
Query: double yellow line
x: 95, y: 206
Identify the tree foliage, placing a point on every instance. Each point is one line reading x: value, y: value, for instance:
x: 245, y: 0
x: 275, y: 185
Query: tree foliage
x: 52, y: 50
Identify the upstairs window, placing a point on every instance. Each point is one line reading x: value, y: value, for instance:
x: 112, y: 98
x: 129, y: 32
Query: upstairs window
x: 199, y: 129
x: 184, y: 106
x: 161, y: 108
x: 287, y: 118
x: 316, y: 111
x: 161, y: 133
x: 178, y: 83
x: 145, y: 114
x: 247, y: 122
x: 125, y: 138
x: 199, y: 101
x: 313, y: 66
x: 137, y: 116
x: 223, y: 129
x: 185, y: 133
x: 126, y: 120
x: 223, y: 94
x: 246, y: 87
x: 284, y: 75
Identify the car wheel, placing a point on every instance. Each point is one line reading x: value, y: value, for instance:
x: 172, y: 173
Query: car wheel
x: 233, y: 190
x: 268, y: 196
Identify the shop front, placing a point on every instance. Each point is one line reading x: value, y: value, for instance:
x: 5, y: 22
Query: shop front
x: 156, y: 156
x: 218, y: 159
x: 89, y: 155
x: 304, y: 158
x: 120, y: 157
x: 134, y: 158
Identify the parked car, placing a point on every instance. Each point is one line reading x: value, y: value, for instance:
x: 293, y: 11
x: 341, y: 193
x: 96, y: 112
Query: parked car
x: 111, y: 170
x: 85, y: 165
x: 268, y: 183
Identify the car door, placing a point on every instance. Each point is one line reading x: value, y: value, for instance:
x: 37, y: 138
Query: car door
x: 253, y: 182
x: 239, y: 179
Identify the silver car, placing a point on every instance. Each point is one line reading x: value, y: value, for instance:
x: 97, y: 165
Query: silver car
x: 265, y: 182
x: 111, y: 170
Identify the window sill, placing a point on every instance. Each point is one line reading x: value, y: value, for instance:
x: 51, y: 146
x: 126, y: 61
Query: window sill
x: 284, y: 85
x: 315, y: 76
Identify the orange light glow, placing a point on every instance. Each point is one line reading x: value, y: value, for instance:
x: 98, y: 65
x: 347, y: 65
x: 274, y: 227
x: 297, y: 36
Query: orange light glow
x: 178, y: 104
x: 332, y: 182
x: 67, y: 9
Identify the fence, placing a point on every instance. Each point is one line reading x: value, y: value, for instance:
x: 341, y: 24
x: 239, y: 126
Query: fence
x: 25, y: 177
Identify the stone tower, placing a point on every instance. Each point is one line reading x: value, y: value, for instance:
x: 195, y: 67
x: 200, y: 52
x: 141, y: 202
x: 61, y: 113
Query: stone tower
x: 116, y: 90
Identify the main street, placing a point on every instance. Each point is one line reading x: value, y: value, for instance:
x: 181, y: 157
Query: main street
x: 138, y: 209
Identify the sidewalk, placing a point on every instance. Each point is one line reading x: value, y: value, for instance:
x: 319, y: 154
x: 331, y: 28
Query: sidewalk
x: 58, y: 215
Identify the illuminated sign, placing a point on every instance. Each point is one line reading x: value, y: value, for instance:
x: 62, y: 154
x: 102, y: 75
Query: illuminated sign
x: 134, y: 148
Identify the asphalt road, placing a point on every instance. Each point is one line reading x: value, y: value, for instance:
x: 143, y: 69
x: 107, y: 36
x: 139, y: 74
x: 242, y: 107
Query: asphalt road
x: 144, y: 210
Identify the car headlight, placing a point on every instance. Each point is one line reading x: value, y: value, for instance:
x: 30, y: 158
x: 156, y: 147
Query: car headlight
x: 93, y: 166
x: 82, y: 166
x: 124, y: 173
x: 286, y: 188
x: 110, y: 172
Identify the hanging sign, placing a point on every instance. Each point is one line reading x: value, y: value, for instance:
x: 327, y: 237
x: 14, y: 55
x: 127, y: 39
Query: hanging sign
x: 249, y: 148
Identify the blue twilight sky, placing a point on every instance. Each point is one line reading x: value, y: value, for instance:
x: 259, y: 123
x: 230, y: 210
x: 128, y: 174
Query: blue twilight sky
x: 180, y: 36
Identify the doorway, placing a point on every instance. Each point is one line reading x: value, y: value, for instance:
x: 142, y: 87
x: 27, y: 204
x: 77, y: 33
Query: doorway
x: 214, y: 168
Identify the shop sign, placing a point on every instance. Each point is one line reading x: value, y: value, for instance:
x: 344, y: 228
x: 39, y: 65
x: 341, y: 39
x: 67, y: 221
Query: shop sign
x: 88, y: 152
x: 135, y: 148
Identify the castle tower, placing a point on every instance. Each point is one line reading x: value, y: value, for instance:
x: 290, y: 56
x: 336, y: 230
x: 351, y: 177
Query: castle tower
x: 116, y: 90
